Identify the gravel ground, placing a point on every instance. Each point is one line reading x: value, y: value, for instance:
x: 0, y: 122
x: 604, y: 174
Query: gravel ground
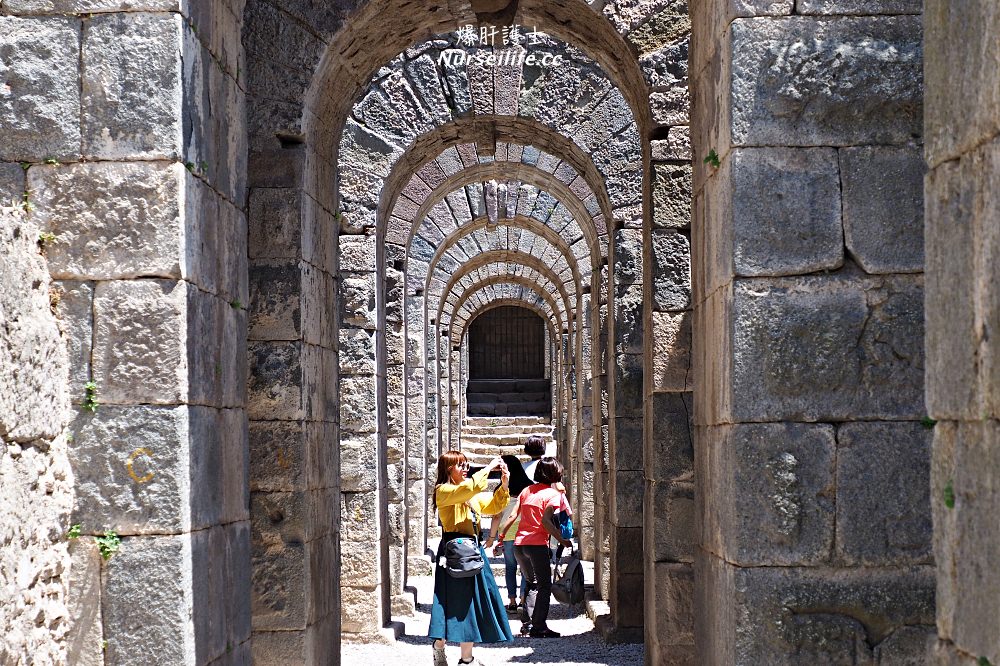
x: 579, y: 644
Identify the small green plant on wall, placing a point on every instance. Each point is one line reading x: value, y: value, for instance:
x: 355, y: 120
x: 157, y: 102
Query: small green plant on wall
x: 712, y: 159
x: 108, y: 544
x: 74, y: 532
x: 90, y: 396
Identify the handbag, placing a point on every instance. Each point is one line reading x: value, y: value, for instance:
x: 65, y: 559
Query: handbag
x: 462, y: 557
x: 567, y: 585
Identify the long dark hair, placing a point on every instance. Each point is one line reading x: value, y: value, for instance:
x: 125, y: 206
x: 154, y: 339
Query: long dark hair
x: 548, y: 471
x: 447, y: 460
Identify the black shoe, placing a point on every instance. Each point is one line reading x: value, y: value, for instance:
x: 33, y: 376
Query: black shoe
x: 525, y: 629
x: 543, y: 633
x: 512, y: 607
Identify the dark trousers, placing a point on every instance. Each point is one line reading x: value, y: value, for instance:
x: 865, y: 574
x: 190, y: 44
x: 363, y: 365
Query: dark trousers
x: 534, y: 562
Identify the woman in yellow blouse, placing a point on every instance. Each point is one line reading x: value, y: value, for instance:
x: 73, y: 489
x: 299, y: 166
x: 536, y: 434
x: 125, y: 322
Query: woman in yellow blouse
x: 466, y: 610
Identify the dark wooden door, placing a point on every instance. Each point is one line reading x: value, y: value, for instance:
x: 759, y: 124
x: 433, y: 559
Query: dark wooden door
x: 507, y: 343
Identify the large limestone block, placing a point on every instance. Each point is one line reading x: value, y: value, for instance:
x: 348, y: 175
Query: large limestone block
x: 670, y: 521
x: 671, y: 270
x: 808, y: 82
x: 358, y: 408
x: 12, y: 184
x: 111, y: 220
x: 84, y: 642
x: 962, y: 75
x: 40, y: 108
x: 785, y: 616
x: 670, y: 607
x: 965, y: 535
x: 859, y: 7
x: 275, y: 300
x: 218, y: 466
x: 884, y: 207
x: 785, y: 210
x: 827, y: 348
x: 140, y: 339
x: 672, y: 351
x: 359, y: 563
x: 766, y: 493
x: 132, y: 88
x: 883, y: 507
x: 132, y: 469
x: 672, y: 195
x: 75, y: 311
x: 147, y: 601
x: 276, y: 380
x: 280, y: 576
x: 952, y: 340
x: 626, y: 498
x: 290, y: 455
x: 672, y: 452
x: 275, y: 226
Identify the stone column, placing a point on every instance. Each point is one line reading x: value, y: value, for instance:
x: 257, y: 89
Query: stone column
x: 416, y: 433
x: 963, y: 319
x: 395, y: 430
x: 811, y: 460
x: 363, y: 539
x: 602, y: 401
x: 669, y: 524
x: 625, y: 446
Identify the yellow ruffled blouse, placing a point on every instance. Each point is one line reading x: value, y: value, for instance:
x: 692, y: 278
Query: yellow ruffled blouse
x: 453, y: 502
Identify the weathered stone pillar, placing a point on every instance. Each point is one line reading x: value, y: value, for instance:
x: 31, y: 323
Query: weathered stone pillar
x: 602, y: 399
x: 625, y: 446
x: 811, y: 461
x: 364, y: 545
x: 416, y: 433
x: 583, y: 497
x: 669, y: 534
x: 963, y: 320
x: 115, y: 116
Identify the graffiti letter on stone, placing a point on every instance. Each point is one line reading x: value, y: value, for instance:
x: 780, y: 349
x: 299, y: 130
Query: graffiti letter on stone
x: 148, y: 476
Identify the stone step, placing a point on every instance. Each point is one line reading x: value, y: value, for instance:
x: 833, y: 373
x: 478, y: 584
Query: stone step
x: 508, y: 386
x: 497, y: 440
x: 506, y: 397
x: 485, y: 421
x: 508, y: 430
x: 509, y: 409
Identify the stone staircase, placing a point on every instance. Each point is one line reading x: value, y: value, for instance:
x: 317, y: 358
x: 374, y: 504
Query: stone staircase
x: 484, y: 438
x: 509, y: 397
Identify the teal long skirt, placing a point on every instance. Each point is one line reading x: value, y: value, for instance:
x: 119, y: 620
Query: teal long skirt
x: 468, y: 609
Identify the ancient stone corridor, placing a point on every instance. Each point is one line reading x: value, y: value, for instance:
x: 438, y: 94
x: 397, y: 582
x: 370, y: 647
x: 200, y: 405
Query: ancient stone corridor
x: 263, y: 261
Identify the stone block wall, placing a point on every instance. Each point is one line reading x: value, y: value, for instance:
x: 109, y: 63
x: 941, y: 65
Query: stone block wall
x: 808, y: 334
x: 962, y: 233
x: 130, y: 124
x: 36, y: 483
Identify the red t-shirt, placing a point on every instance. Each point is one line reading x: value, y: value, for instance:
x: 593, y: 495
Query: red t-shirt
x: 534, y: 499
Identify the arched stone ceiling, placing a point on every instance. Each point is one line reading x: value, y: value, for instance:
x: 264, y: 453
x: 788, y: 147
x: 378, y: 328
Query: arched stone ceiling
x: 524, y: 247
x: 506, y: 262
x: 509, y: 234
x: 417, y: 95
x: 482, y: 293
x: 528, y: 279
x: 508, y: 292
x: 573, y: 199
x: 380, y: 29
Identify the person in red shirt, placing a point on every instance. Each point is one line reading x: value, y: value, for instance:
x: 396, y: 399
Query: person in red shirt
x: 535, y: 507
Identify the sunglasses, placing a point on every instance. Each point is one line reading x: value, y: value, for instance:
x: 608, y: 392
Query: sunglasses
x: 462, y: 466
